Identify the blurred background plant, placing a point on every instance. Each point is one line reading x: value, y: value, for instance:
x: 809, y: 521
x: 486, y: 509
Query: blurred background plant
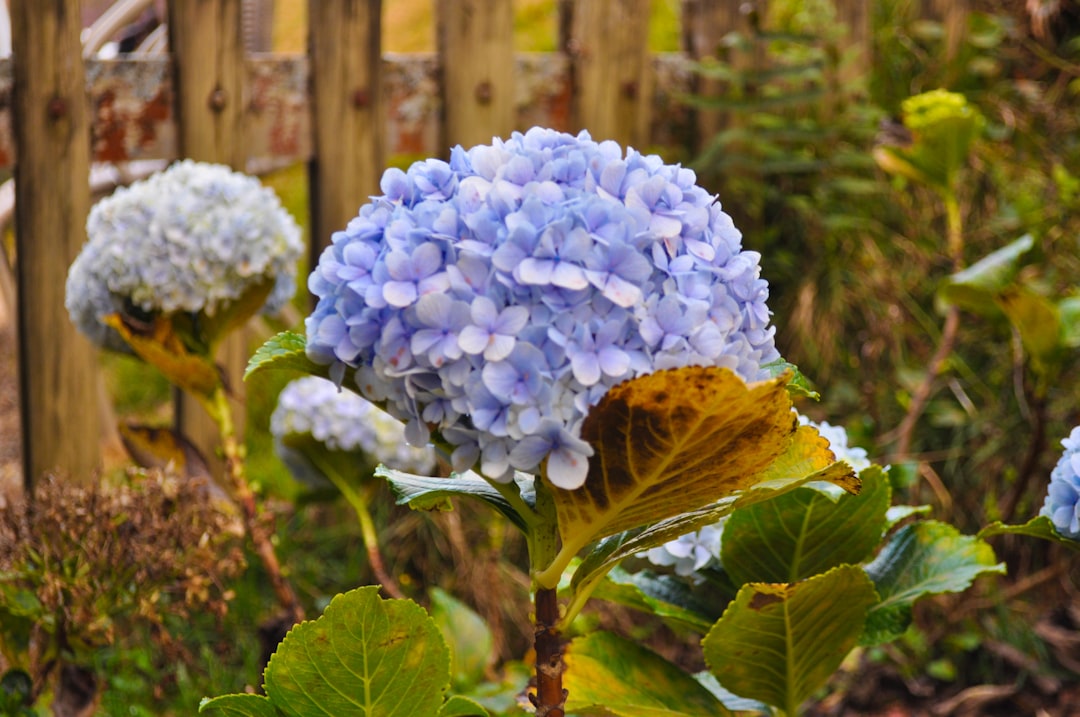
x: 85, y: 571
x: 863, y: 281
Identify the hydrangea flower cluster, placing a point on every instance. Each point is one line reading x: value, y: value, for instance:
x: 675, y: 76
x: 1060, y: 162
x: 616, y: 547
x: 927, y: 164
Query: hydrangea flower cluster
x: 192, y: 238
x: 495, y: 298
x: 1062, y: 504
x: 343, y: 421
x: 690, y: 553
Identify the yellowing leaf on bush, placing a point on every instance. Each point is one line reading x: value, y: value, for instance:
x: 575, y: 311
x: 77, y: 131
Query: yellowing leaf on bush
x: 675, y: 441
x: 610, y: 675
x: 160, y: 446
x: 159, y: 345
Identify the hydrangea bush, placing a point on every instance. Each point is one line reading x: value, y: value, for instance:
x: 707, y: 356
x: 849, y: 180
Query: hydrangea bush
x: 495, y: 298
x: 171, y: 265
x: 1062, y: 504
x: 584, y: 327
x: 191, y: 239
x: 342, y: 421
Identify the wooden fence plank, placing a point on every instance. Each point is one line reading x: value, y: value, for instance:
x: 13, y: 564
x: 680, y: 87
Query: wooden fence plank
x: 476, y: 56
x: 57, y: 367
x: 347, y: 100
x: 613, y: 77
x: 705, y: 25
x: 205, y: 42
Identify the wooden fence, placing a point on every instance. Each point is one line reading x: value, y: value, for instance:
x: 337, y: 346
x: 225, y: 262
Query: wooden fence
x: 343, y: 108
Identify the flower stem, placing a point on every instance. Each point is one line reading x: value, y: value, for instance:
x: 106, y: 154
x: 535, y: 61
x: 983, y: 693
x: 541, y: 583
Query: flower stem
x: 543, y: 539
x: 368, y: 534
x: 235, y: 473
x: 954, y: 228
x: 550, y: 697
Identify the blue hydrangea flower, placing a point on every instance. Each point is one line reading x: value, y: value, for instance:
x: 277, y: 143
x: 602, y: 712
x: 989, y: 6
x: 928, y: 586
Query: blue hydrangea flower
x: 495, y: 298
x: 192, y: 238
x: 1062, y: 504
x: 342, y: 421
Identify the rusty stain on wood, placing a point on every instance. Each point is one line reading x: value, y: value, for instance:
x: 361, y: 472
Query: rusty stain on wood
x: 279, y: 119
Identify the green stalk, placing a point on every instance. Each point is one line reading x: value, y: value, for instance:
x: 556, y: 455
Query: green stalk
x: 217, y: 406
x: 368, y: 534
x: 543, y: 539
x: 954, y: 229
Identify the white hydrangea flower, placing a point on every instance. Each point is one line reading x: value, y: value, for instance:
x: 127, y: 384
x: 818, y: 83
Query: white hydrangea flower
x: 192, y: 238
x: 343, y: 421
x: 690, y: 553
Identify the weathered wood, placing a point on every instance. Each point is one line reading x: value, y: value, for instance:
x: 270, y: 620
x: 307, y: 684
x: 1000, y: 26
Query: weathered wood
x: 613, y: 79
x: 476, y: 56
x: 133, y: 115
x: 705, y: 25
x: 205, y: 42
x: 58, y: 367
x: 344, y: 45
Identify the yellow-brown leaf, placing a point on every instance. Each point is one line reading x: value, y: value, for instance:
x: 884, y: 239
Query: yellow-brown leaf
x: 674, y: 441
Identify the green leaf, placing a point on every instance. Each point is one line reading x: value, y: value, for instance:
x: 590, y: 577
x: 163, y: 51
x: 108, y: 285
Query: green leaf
x: 976, y: 288
x: 469, y: 638
x: 1038, y: 527
x: 899, y: 513
x: 610, y: 676
x: 669, y: 599
x: 423, y: 493
x: 924, y: 558
x: 238, y: 706
x: 210, y: 330
x: 1036, y: 318
x: 364, y: 656
x: 458, y: 706
x: 284, y: 351
x: 803, y: 532
x: 778, y: 643
x: 1069, y: 313
x: 673, y: 441
x: 732, y: 701
x: 798, y: 385
x: 16, y: 690
x: 943, y: 125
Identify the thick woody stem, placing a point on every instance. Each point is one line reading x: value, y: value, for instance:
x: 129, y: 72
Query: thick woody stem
x: 550, y: 698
